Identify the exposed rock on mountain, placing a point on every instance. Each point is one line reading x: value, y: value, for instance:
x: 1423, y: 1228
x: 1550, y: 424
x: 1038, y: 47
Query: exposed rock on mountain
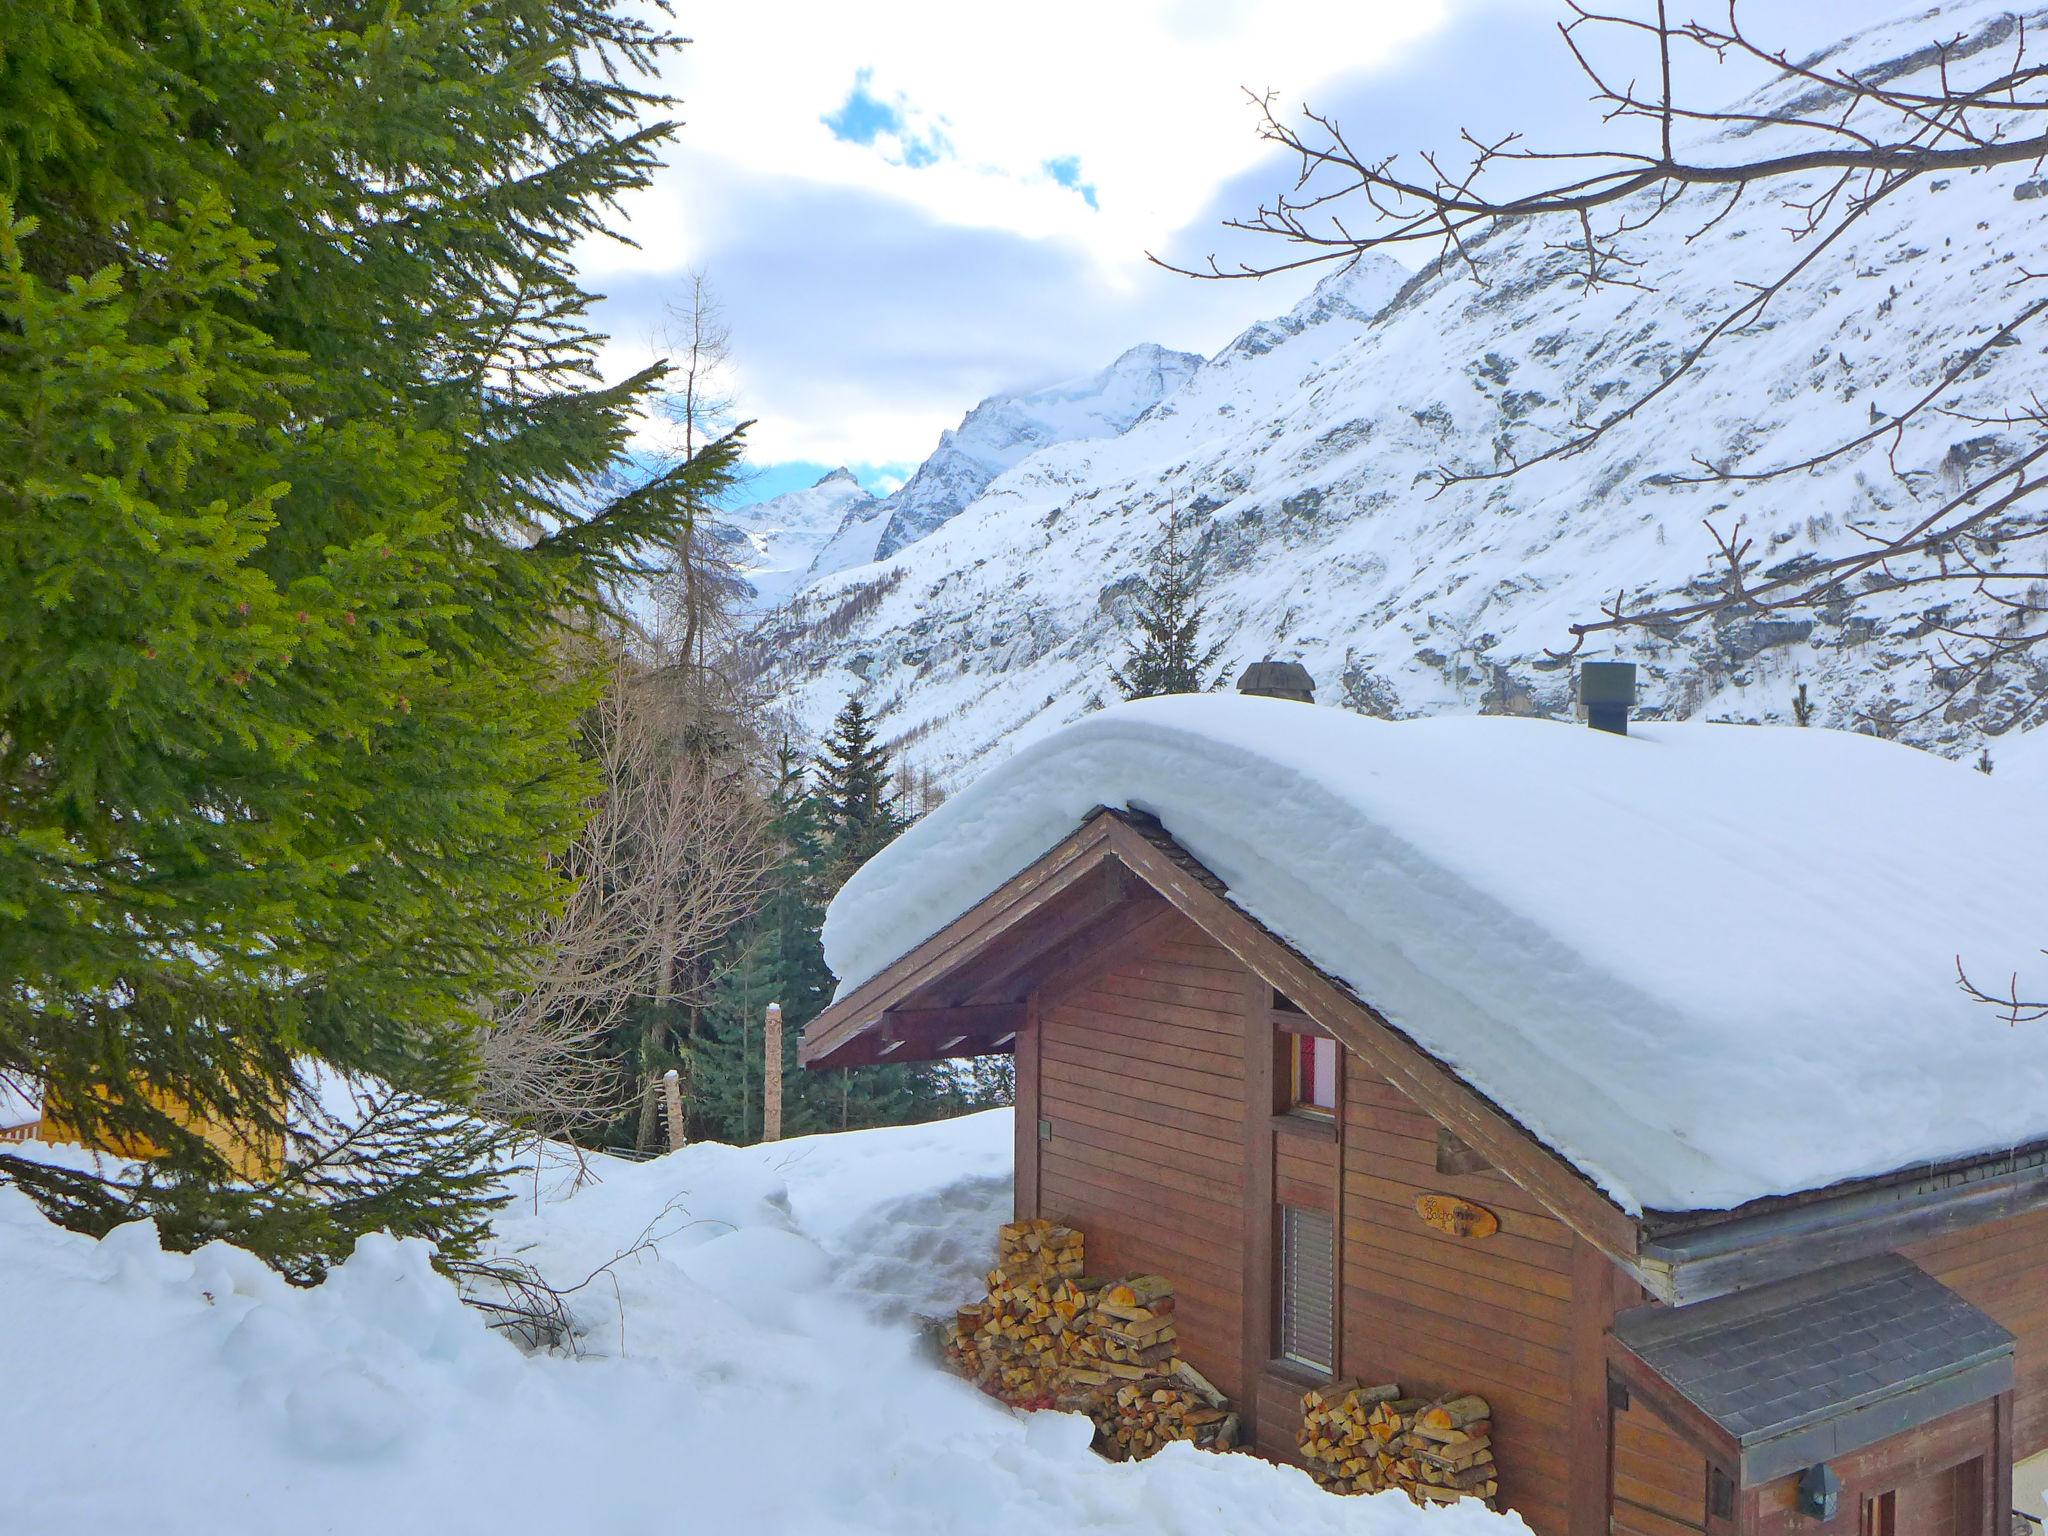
x: 1006, y: 429
x: 805, y: 535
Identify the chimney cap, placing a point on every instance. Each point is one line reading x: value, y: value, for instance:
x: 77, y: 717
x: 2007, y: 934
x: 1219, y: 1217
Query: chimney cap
x: 1278, y: 680
x: 1607, y: 689
x: 1607, y: 682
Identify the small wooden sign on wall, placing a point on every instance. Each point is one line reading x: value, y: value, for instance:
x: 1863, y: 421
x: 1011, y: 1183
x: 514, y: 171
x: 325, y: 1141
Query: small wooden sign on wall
x: 1460, y: 1218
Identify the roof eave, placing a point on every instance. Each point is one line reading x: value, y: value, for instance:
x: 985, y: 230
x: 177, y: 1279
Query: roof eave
x: 1680, y: 1264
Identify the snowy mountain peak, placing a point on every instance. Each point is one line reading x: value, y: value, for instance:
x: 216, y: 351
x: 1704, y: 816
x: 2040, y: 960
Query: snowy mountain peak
x: 1006, y: 429
x: 775, y: 544
x: 835, y: 523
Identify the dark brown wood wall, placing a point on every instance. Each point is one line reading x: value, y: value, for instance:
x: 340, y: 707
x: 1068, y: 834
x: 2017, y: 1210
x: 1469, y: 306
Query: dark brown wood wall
x: 1999, y: 1268
x: 1441, y: 1314
x: 1660, y: 1480
x: 1140, y: 1074
x: 1938, y: 1475
x: 1163, y: 1149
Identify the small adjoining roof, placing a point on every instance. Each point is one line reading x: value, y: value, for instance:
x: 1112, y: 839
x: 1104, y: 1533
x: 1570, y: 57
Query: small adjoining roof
x: 1705, y: 964
x: 1817, y: 1367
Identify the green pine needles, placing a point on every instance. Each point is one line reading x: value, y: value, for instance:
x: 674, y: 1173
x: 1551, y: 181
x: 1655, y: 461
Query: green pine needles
x: 1167, y: 655
x: 306, y: 480
x: 860, y: 813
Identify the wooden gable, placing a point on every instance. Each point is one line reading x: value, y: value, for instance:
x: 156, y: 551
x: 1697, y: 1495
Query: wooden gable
x: 1100, y: 887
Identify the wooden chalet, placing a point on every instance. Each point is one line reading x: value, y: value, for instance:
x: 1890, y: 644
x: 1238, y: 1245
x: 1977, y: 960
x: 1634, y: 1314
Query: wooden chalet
x: 1333, y: 1200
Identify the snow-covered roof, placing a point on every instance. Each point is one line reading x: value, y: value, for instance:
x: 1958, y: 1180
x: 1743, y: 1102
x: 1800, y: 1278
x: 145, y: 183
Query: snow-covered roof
x: 16, y: 1107
x: 1704, y: 963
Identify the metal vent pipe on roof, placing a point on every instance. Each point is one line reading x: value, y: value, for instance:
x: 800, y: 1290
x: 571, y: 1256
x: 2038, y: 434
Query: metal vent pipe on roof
x: 1272, y: 679
x: 1608, y: 690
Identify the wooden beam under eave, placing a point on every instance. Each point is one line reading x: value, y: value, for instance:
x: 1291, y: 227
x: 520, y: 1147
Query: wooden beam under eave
x: 929, y: 1034
x: 1004, y: 971
x: 1081, y: 959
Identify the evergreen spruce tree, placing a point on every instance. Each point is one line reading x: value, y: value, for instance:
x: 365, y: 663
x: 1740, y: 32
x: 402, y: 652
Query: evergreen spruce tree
x: 1167, y: 656
x: 860, y: 814
x: 305, y: 474
x: 779, y: 959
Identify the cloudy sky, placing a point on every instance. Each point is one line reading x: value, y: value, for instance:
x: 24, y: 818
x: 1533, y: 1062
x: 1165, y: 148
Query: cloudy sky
x: 905, y: 206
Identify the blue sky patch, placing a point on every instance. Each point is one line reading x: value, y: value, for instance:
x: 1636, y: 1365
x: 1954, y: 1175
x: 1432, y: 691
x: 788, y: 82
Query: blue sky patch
x: 1066, y: 170
x: 884, y: 126
x: 760, y: 482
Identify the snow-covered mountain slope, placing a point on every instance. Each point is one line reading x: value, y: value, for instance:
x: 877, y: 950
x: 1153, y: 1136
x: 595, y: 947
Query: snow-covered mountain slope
x: 1301, y: 458
x: 758, y: 1304
x: 1006, y: 429
x: 780, y: 543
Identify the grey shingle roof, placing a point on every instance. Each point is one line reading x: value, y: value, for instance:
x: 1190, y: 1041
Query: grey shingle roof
x: 1825, y: 1364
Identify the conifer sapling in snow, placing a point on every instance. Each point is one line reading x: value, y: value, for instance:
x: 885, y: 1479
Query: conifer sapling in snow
x: 1167, y: 654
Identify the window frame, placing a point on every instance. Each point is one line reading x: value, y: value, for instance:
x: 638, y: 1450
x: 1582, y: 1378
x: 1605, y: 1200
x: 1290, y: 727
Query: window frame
x: 1290, y: 1029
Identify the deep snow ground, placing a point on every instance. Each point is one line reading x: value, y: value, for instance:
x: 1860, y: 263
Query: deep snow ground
x: 754, y: 1370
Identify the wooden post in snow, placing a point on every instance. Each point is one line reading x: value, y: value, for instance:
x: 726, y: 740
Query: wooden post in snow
x: 672, y: 1104
x: 771, y: 1076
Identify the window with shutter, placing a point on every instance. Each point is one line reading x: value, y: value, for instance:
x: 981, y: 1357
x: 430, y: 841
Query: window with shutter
x: 1308, y: 1288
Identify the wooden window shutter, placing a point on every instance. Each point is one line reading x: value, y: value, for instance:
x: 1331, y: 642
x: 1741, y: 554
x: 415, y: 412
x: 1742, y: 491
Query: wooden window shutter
x: 1308, y: 1288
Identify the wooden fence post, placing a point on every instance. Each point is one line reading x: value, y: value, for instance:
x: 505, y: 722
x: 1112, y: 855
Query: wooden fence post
x: 672, y: 1103
x: 771, y: 1076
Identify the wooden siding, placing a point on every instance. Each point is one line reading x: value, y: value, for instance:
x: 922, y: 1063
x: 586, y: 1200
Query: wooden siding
x: 1938, y: 1472
x: 1998, y: 1267
x: 1140, y: 1072
x: 1438, y: 1313
x: 1660, y: 1481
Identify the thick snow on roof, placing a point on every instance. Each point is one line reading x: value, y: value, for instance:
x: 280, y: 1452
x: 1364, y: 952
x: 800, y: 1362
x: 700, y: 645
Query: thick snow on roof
x: 1704, y: 963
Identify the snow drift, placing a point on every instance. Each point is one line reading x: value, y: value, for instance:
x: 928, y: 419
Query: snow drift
x: 1704, y: 963
x: 753, y: 1370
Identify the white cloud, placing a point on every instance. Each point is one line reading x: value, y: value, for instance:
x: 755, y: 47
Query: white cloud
x: 877, y: 290
x: 1148, y: 93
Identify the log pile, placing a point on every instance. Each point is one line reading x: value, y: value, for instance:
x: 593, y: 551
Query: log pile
x: 1360, y: 1439
x: 1039, y: 1249
x: 1134, y: 1320
x: 1139, y: 1417
x: 1035, y: 1329
x: 1047, y: 1336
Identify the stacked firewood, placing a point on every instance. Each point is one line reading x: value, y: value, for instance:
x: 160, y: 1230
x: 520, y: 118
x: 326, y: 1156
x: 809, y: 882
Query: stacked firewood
x: 1035, y: 1327
x: 1139, y: 1417
x: 1337, y: 1441
x: 1039, y: 1249
x: 1134, y: 1320
x: 1358, y: 1439
x: 1047, y: 1336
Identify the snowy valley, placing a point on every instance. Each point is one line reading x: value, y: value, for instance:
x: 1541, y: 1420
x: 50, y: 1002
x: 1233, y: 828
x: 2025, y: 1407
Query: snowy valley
x: 1302, y: 458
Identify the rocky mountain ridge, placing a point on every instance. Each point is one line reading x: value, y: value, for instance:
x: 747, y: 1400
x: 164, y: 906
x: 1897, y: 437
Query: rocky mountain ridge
x: 810, y: 534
